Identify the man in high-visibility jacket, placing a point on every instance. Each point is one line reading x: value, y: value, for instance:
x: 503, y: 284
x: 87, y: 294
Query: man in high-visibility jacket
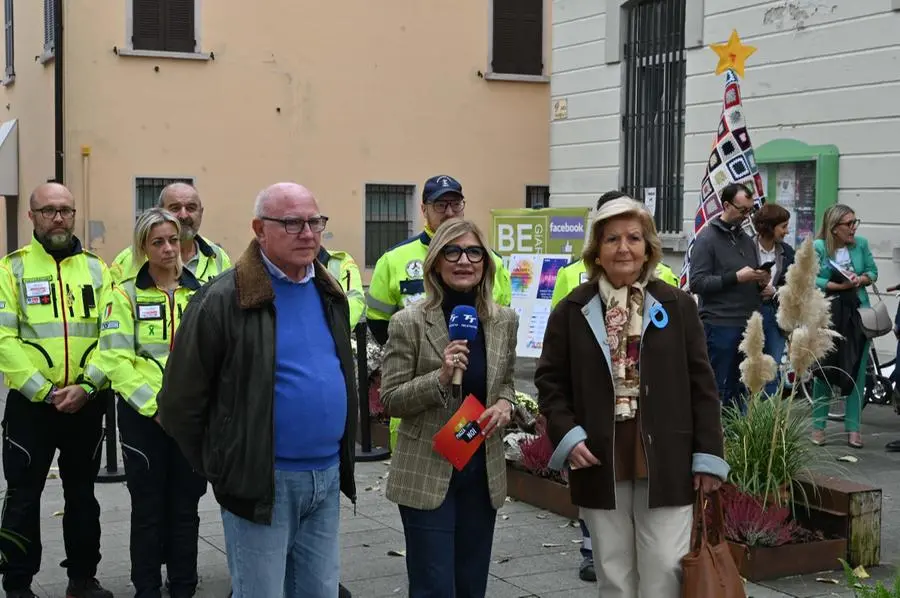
x: 51, y: 291
x: 201, y: 256
x: 398, y: 277
x: 341, y: 265
x: 569, y: 277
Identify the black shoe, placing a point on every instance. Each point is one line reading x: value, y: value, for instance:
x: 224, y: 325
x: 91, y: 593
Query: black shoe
x: 26, y: 593
x: 86, y: 588
x: 586, y: 571
x: 344, y: 592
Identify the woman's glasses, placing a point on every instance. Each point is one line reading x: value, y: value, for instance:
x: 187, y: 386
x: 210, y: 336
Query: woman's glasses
x: 453, y: 253
x: 851, y: 223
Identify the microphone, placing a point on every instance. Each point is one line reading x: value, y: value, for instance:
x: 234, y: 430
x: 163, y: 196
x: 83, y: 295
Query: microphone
x: 463, y: 326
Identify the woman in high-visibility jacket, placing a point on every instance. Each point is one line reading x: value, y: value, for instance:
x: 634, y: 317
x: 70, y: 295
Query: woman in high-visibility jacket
x: 137, y: 329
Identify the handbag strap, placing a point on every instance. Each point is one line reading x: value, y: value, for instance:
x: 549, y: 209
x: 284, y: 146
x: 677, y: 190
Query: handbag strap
x: 698, y: 540
x: 716, y: 532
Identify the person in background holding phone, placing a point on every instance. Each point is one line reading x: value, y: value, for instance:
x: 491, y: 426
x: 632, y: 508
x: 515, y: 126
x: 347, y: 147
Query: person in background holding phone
x: 448, y: 516
x: 775, y: 256
x: 725, y: 275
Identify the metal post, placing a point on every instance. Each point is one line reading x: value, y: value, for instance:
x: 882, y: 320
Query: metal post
x: 365, y: 451
x: 111, y: 472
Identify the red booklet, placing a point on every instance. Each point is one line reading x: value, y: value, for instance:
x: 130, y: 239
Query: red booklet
x: 460, y: 437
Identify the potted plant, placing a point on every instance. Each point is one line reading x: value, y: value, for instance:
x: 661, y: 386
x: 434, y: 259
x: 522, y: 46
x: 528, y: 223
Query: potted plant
x: 767, y: 447
x: 528, y: 476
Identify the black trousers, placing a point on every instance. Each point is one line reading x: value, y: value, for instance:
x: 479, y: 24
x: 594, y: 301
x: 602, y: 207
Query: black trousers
x: 165, y: 492
x: 32, y: 433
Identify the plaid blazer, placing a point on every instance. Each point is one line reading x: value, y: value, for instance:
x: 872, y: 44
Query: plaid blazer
x: 417, y: 337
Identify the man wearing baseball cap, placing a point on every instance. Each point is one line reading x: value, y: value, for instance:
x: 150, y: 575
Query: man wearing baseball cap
x: 397, y: 281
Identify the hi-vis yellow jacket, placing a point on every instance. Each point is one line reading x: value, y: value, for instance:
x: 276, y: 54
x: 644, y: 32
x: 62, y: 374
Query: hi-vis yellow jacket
x: 340, y: 264
x: 136, y: 334
x: 575, y: 273
x: 397, y: 281
x: 49, y: 318
x: 211, y: 260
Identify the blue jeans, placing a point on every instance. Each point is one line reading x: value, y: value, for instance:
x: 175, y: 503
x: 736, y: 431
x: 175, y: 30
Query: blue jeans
x: 298, y: 556
x: 722, y: 345
x: 775, y: 341
x: 448, y: 549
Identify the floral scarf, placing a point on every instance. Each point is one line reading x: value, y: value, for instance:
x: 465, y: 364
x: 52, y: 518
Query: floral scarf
x: 624, y: 324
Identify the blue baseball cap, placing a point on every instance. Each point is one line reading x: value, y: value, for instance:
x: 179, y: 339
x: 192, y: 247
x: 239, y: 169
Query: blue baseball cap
x: 440, y: 185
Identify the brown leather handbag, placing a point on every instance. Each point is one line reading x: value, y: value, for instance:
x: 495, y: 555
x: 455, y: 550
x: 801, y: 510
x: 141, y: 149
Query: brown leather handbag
x: 708, y: 570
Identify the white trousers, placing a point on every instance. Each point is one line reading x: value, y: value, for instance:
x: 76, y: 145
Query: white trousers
x: 638, y: 550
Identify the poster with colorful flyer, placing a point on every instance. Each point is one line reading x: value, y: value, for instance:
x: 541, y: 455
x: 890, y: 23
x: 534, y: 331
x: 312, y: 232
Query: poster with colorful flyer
x: 533, y: 277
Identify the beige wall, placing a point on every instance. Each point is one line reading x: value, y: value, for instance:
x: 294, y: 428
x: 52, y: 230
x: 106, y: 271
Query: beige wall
x: 30, y: 99
x: 368, y: 92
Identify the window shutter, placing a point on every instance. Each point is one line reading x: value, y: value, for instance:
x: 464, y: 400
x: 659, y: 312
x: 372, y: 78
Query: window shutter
x: 179, y: 30
x: 146, y: 24
x: 49, y: 25
x: 10, y: 44
x: 518, y: 37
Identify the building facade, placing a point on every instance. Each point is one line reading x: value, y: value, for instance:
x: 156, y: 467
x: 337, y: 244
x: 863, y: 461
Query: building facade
x: 360, y: 101
x: 636, y: 104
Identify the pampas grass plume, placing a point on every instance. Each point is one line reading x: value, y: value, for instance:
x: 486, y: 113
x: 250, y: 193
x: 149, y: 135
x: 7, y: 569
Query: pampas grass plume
x: 758, y: 369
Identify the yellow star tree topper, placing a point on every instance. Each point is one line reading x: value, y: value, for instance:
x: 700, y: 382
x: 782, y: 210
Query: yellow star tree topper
x: 732, y: 55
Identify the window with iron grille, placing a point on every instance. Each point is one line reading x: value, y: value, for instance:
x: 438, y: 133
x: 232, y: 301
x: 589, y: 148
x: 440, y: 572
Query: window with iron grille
x: 518, y: 37
x: 147, y: 190
x: 49, y: 27
x: 388, y: 218
x: 653, y: 116
x: 8, y: 34
x: 163, y: 25
x: 537, y: 196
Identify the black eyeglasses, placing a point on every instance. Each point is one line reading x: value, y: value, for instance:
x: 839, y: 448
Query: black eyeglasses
x: 453, y: 253
x: 745, y: 211
x: 50, y: 213
x: 851, y: 223
x: 441, y: 206
x: 294, y: 226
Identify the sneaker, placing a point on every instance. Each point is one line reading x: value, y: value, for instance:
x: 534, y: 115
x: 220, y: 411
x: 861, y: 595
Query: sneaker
x: 586, y: 571
x: 86, y: 588
x: 26, y: 593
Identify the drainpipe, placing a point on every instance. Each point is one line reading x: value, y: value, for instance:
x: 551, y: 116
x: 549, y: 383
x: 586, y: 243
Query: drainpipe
x: 60, y: 157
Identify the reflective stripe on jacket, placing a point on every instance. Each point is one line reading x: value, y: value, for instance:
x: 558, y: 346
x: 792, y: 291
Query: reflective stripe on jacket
x: 49, y: 317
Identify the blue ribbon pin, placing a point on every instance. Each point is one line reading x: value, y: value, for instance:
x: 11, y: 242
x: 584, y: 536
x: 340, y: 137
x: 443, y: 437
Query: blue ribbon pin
x: 659, y: 316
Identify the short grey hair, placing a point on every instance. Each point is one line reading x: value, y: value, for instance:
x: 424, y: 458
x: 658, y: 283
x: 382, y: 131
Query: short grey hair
x: 161, y: 200
x: 259, y: 204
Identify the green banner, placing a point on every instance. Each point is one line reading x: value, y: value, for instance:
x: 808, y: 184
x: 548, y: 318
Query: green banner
x: 548, y: 230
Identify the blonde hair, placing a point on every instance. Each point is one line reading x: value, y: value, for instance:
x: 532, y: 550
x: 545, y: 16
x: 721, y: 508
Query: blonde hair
x: 145, y: 224
x: 484, y: 291
x: 623, y: 207
x: 830, y: 221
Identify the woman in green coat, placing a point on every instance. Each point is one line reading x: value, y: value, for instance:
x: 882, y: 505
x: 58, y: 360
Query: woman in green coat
x: 843, y: 256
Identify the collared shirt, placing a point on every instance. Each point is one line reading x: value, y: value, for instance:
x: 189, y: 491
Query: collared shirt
x: 277, y: 273
x: 195, y: 259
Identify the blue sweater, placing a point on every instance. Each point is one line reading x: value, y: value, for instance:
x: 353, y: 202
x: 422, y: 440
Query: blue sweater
x: 310, y: 392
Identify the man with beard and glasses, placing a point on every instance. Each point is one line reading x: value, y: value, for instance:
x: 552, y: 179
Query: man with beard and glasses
x: 50, y: 291
x: 202, y: 257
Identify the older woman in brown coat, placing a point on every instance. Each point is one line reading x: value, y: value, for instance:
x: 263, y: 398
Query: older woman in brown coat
x: 631, y: 404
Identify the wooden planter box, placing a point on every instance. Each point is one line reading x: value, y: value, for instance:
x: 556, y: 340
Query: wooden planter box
x: 539, y: 492
x: 760, y: 563
x: 845, y: 509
